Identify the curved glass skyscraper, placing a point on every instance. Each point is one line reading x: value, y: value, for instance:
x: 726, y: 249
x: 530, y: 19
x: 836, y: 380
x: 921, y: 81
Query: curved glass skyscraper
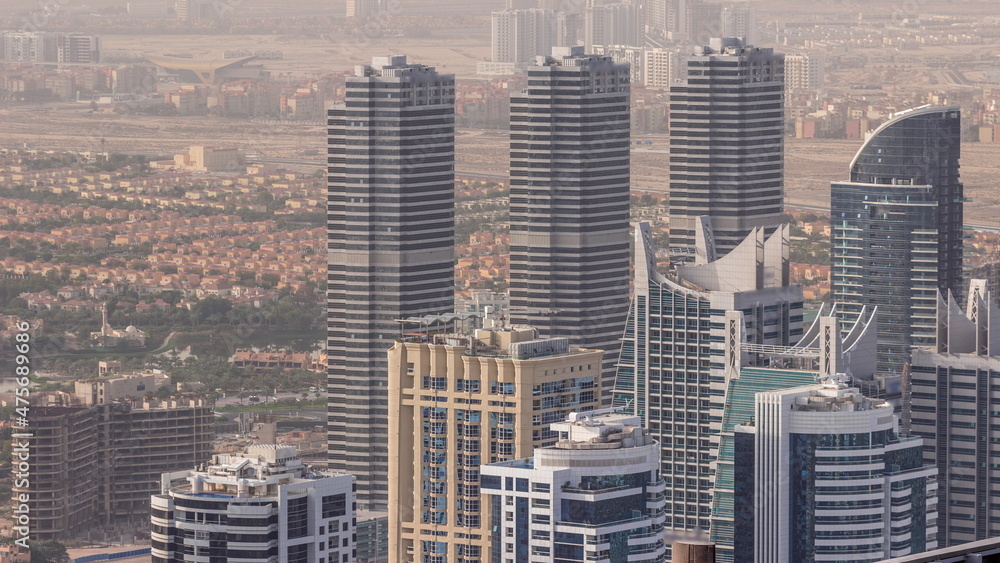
x: 897, y: 228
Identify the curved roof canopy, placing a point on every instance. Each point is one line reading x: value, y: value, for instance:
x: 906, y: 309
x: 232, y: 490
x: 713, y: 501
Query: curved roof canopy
x: 197, y: 70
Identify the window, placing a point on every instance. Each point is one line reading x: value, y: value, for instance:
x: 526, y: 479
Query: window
x: 334, y: 506
x: 298, y: 553
x: 298, y: 518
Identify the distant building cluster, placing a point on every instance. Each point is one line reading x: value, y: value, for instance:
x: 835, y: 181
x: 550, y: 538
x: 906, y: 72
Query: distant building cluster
x: 192, y: 11
x: 268, y: 360
x: 49, y: 47
x: 629, y: 32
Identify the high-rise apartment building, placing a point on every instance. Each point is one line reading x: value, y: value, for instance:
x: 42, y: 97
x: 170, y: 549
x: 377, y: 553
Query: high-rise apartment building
x: 727, y: 127
x: 363, y: 8
x: 460, y: 401
x: 259, y: 506
x: 149, y: 8
x: 521, y: 35
x: 673, y: 364
x: 569, y: 201
x: 897, y: 229
x: 954, y: 407
x: 30, y: 46
x: 660, y: 67
x: 199, y: 10
x: 677, y: 18
x: 740, y: 20
x: 613, y: 24
x: 391, y: 245
x: 822, y: 352
x: 832, y: 479
x: 596, y: 495
x: 655, y: 13
x: 803, y: 72
x: 78, y: 48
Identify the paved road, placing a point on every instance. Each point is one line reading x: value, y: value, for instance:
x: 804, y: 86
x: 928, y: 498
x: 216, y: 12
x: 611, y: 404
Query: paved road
x: 234, y: 398
x: 166, y: 342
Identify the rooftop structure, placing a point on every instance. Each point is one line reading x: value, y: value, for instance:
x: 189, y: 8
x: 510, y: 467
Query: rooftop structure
x: 259, y: 506
x: 206, y: 71
x: 972, y: 552
x: 596, y: 495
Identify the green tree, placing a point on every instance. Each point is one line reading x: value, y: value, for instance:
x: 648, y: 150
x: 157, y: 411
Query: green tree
x: 49, y: 551
x: 212, y: 309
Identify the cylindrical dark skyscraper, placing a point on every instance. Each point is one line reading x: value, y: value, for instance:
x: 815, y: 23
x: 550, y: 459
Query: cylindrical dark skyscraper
x: 391, y: 246
x: 569, y: 202
x: 897, y: 229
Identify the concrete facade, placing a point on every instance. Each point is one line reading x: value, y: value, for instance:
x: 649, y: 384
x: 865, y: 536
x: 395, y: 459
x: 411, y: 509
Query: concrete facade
x: 260, y: 506
x: 596, y: 495
x: 955, y: 406
x: 464, y: 400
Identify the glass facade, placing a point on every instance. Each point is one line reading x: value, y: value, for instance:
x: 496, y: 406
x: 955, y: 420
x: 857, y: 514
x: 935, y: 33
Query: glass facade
x: 956, y: 409
x: 743, y: 496
x: 857, y: 504
x: 673, y: 369
x: 897, y: 229
x: 739, y: 409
